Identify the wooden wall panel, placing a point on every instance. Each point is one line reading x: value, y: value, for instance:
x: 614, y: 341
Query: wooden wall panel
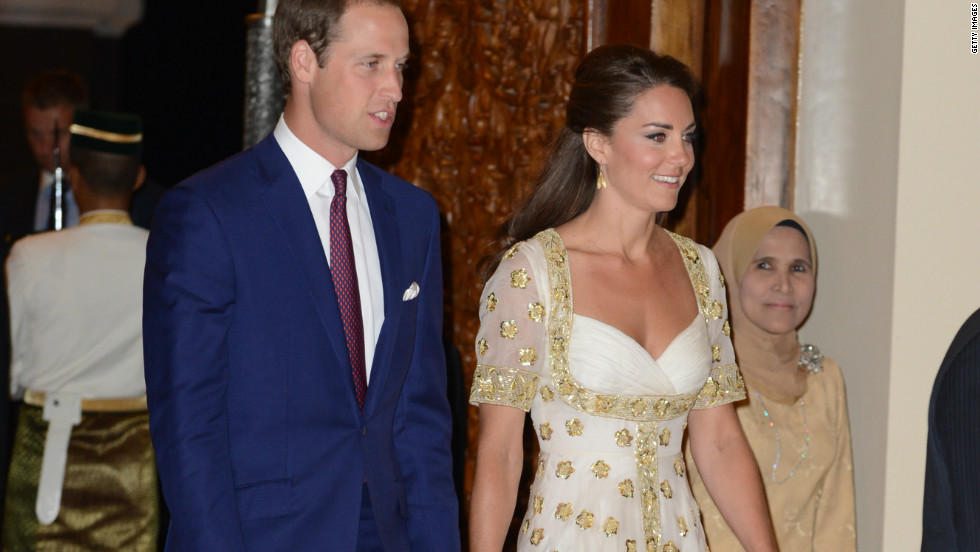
x: 484, y: 98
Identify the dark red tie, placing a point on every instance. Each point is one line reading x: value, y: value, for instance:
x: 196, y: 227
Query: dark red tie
x: 345, y: 283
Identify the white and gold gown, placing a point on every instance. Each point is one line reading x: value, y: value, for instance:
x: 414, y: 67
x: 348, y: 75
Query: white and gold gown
x: 609, y: 418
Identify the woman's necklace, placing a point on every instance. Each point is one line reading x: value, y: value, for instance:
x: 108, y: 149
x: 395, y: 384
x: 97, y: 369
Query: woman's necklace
x: 779, y: 448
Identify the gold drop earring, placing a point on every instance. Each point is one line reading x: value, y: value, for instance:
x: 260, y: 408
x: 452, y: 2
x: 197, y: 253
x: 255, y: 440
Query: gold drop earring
x: 601, y: 182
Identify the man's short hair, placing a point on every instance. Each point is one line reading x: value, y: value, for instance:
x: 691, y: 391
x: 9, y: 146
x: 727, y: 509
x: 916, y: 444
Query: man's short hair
x: 314, y: 21
x: 53, y: 88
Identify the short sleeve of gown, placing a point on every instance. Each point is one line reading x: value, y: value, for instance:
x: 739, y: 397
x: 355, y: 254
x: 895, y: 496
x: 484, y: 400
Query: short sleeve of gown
x: 510, y: 346
x: 725, y: 384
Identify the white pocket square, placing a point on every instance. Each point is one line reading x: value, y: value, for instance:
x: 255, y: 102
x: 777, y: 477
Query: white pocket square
x: 411, y: 293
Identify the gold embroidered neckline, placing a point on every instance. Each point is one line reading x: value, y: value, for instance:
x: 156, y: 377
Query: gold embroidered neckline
x: 105, y: 218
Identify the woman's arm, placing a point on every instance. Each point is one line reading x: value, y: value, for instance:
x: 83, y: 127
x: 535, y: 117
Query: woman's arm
x: 499, y: 460
x: 728, y: 469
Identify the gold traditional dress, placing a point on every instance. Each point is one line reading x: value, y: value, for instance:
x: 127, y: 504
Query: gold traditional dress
x: 609, y: 418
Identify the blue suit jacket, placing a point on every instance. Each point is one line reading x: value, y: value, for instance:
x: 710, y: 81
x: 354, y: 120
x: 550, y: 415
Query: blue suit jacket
x: 258, y: 436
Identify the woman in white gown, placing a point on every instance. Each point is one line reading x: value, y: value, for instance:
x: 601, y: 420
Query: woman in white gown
x: 614, y: 373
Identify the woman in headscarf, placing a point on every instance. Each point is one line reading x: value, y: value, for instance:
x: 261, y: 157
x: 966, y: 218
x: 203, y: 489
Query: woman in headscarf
x: 795, y: 413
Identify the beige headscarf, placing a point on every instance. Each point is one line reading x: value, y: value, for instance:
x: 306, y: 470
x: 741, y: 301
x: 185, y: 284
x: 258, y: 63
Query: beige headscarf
x: 768, y: 362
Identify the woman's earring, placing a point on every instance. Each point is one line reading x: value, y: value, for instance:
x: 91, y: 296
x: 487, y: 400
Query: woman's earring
x: 601, y: 182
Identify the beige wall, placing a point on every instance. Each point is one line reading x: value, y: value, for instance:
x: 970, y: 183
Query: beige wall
x: 888, y: 176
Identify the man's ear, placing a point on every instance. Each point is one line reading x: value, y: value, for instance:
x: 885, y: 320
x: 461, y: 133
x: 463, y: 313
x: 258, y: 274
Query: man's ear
x: 140, y: 178
x: 596, y: 144
x: 302, y: 62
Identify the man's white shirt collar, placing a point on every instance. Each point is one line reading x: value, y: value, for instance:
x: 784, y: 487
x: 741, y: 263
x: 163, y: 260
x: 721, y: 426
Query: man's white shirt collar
x: 311, y: 168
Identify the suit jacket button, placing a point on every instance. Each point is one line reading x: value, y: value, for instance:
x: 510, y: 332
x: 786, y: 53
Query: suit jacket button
x: 364, y: 430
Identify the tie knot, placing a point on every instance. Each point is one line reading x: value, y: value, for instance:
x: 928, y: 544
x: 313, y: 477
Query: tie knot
x: 339, y: 179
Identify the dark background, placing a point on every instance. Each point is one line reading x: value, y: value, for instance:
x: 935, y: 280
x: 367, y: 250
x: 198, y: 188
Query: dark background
x: 182, y: 70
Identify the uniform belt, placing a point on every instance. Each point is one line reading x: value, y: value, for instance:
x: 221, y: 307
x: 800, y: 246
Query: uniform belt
x: 128, y: 404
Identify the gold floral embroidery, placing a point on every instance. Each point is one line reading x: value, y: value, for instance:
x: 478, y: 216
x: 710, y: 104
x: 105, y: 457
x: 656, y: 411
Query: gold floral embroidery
x: 482, y: 346
x: 526, y: 526
x: 535, y: 311
x: 645, y: 452
x: 721, y: 278
x: 666, y: 490
x: 716, y: 353
x: 538, y: 504
x: 665, y: 437
x: 610, y: 527
x: 546, y: 431
x: 631, y: 545
x: 540, y: 471
x: 528, y: 356
x: 716, y: 310
x: 565, y: 469
x: 563, y: 511
x: 508, y: 329
x: 519, y: 279
x: 626, y: 488
x: 584, y: 519
x: 671, y: 547
x: 624, y: 438
x: 682, y: 526
x: 724, y: 385
x: 510, y: 252
x: 492, y: 302
x: 501, y: 385
x: 574, y: 427
x: 601, y: 469
x: 679, y: 467
x: 537, y: 536
x: 547, y: 394
x: 726, y: 328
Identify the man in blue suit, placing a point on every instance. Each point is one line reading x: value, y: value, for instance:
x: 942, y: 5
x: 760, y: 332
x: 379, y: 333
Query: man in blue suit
x: 292, y: 318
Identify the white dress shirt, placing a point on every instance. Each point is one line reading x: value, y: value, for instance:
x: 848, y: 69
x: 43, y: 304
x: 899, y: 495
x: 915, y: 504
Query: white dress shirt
x: 314, y: 173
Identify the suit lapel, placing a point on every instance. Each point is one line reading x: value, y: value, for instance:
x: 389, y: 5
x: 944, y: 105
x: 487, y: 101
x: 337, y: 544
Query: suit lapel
x: 291, y: 210
x: 384, y: 219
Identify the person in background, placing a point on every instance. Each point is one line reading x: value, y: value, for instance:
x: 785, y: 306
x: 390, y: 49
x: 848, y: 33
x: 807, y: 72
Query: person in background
x: 293, y: 300
x: 795, y: 414
x: 614, y: 380
x: 951, y: 509
x: 82, y: 474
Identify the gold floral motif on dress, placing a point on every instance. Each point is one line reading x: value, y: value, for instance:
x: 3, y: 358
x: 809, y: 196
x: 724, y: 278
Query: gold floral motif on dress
x: 510, y: 252
x: 645, y: 452
x: 726, y: 328
x: 545, y: 431
x: 665, y: 437
x: 535, y: 311
x: 537, y: 504
x: 716, y: 353
x: 508, y: 329
x: 565, y: 469
x: 492, y: 302
x: 526, y: 526
x: 631, y: 545
x: 610, y: 527
x: 540, y: 471
x: 574, y: 427
x: 724, y: 385
x: 563, y: 511
x: 601, y: 469
x: 585, y: 519
x: 721, y: 278
x: 547, y: 394
x: 666, y: 490
x: 482, y: 346
x: 682, y: 526
x: 679, y: 467
x: 624, y: 438
x: 653, y: 544
x: 502, y: 385
x: 626, y: 488
x: 717, y: 310
x: 519, y: 278
x: 671, y: 547
x: 528, y: 356
x: 537, y: 536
